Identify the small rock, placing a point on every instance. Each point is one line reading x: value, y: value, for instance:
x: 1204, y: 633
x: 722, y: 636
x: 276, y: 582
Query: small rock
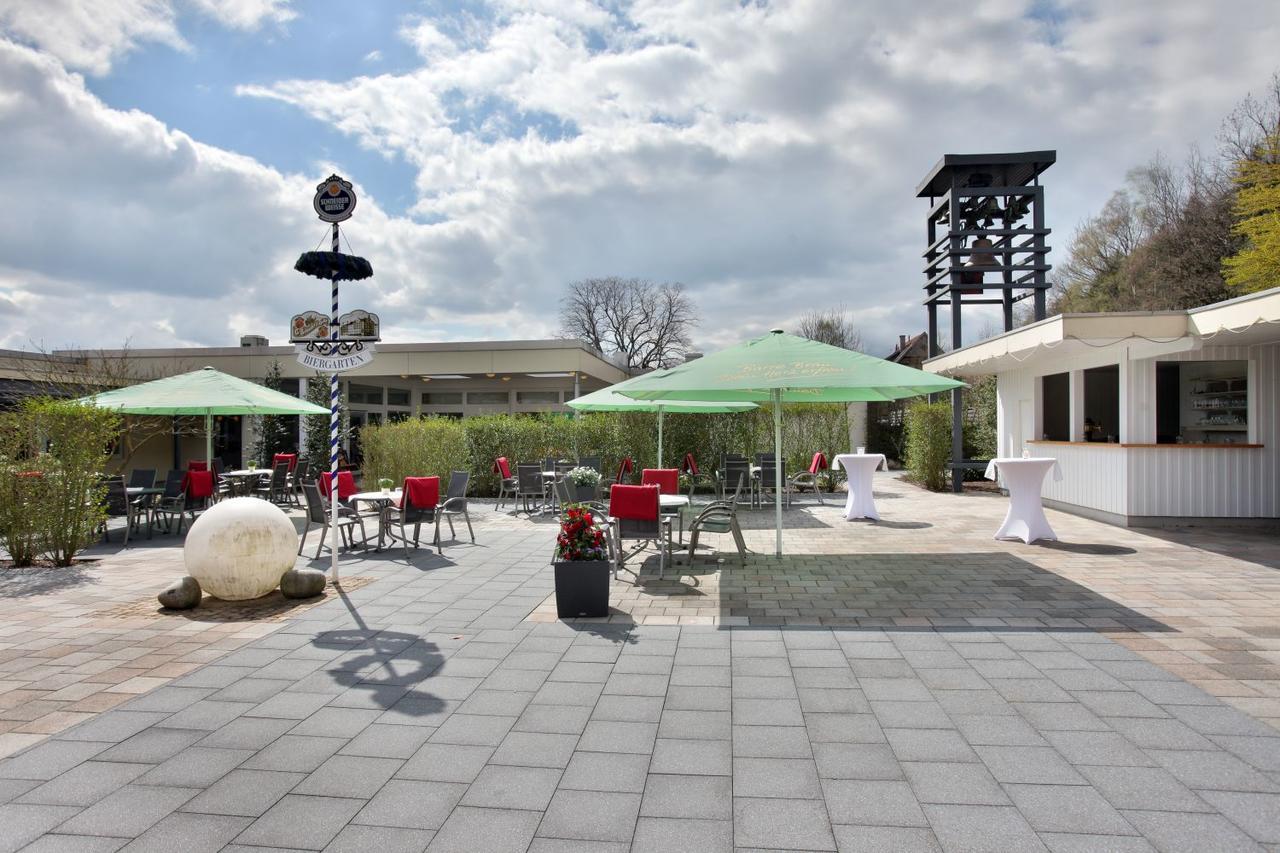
x: 302, y: 583
x: 182, y: 594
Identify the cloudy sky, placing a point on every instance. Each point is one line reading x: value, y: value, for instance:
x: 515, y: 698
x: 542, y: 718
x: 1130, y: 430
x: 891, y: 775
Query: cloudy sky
x: 159, y: 156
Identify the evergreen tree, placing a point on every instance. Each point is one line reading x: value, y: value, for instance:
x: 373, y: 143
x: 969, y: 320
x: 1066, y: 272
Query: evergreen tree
x: 316, y: 447
x: 273, y: 433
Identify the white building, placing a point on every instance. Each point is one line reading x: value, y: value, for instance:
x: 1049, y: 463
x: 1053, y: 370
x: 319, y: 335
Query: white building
x: 1156, y: 418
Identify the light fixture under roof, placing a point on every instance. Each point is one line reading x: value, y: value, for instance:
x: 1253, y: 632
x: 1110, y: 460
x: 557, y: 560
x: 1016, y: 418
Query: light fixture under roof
x: 491, y: 375
x: 446, y: 376
x: 550, y: 375
x: 506, y: 379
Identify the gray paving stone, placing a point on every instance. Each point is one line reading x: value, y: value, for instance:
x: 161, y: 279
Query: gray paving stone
x: 1110, y: 703
x: 776, y: 777
x: 1143, y: 788
x: 535, y: 749
x: 1036, y: 765
x: 196, y: 767
x: 606, y: 771
x: 387, y: 741
x: 1181, y: 832
x: 205, y: 714
x: 247, y: 733
x: 1256, y: 814
x: 473, y: 729
x: 587, y: 673
x: 1219, y: 720
x: 767, y: 712
x: 411, y: 804
x: 152, y: 746
x: 289, y: 706
x: 251, y: 690
x: 335, y: 722
x: 1217, y: 771
x: 295, y: 753
x: 190, y: 833
x: 1173, y: 693
x: 446, y: 762
x: 692, y: 757
x: 911, y: 715
x: 501, y: 787
x: 506, y: 703
x: 954, y: 784
x: 1262, y: 752
x: 57, y: 843
x: 1160, y: 734
x: 775, y: 824
x: 85, y: 784
x: 1068, y: 808
x: 857, y: 761
x: 116, y: 726
x: 885, y: 839
x: 929, y: 745
x: 349, y: 776
x: 698, y: 698
x: 498, y: 830
x: 895, y: 690
x: 1098, y: 748
x: 833, y: 700
x: 568, y: 693
x: 681, y: 835
x: 355, y: 838
x: 628, y: 709
x: 24, y: 824
x: 836, y: 679
x: 309, y: 823
x: 844, y: 728
x: 636, y: 684
x: 1060, y: 842
x: 50, y: 758
x: 696, y: 725
x: 988, y: 730
x: 11, y: 789
x: 553, y: 719
x: 704, y: 797
x: 704, y: 676
x: 763, y: 687
x: 769, y: 741
x: 128, y: 812
x: 1062, y: 716
x: 591, y: 816
x: 247, y: 793
x: 613, y: 736
x: 982, y: 829
x: 875, y: 803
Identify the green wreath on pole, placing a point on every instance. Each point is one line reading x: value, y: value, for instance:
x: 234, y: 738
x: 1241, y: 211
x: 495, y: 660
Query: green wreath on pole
x: 325, y: 264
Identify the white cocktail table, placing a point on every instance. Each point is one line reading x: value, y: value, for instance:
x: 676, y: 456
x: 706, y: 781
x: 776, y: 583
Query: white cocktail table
x: 859, y: 467
x: 1023, y: 478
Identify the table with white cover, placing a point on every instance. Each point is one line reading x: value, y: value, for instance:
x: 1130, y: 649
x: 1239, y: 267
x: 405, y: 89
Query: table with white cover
x: 859, y: 467
x: 1023, y: 478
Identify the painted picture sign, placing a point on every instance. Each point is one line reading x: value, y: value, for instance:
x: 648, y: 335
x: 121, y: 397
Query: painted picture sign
x: 335, y: 200
x: 308, y: 326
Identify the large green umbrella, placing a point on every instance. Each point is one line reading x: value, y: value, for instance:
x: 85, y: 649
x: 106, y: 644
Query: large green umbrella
x: 205, y: 392
x: 612, y: 399
x: 783, y: 368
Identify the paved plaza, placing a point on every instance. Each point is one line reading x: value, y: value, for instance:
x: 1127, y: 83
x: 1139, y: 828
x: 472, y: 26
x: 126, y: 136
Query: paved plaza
x: 906, y: 685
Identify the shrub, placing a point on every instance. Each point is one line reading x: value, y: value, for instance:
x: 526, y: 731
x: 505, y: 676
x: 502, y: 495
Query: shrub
x: 928, y: 429
x: 21, y: 491
x: 418, y: 447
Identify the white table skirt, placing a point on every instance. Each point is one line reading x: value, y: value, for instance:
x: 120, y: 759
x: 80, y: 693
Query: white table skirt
x: 1023, y: 478
x: 859, y: 467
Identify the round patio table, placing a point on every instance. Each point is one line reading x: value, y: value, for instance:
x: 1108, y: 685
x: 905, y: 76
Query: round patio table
x: 859, y: 467
x: 241, y: 479
x: 383, y: 501
x: 1023, y: 478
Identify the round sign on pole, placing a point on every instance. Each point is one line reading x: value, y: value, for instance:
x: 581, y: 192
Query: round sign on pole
x: 335, y: 199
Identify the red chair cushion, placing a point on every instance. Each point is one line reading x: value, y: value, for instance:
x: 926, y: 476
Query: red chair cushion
x: 819, y: 463
x: 625, y: 467
x: 346, y: 484
x: 634, y: 502
x: 420, y: 492
x: 198, y: 484
x: 666, y: 479
x: 291, y: 458
x: 689, y: 466
x: 502, y: 467
x: 197, y: 465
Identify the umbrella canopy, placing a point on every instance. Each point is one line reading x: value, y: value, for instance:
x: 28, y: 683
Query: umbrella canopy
x: 205, y: 392
x: 612, y: 399
x: 784, y: 368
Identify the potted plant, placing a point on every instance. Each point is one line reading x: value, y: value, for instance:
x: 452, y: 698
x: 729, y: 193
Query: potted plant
x: 582, y: 566
x: 583, y: 482
x: 385, y: 484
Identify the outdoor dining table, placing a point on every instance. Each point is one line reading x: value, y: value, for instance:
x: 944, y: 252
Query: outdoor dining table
x: 674, y: 505
x: 1023, y: 478
x: 240, y: 481
x: 383, y: 501
x: 859, y: 467
x: 145, y: 491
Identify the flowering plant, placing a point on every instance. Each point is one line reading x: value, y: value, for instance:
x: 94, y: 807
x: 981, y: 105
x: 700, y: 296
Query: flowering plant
x: 583, y: 476
x: 385, y: 483
x: 580, y: 538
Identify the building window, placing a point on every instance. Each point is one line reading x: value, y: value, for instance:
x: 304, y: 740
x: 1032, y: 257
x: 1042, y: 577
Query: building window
x: 1102, y: 403
x: 1202, y: 402
x: 487, y: 398
x: 368, y: 395
x: 452, y: 416
x: 442, y: 398
x: 1055, y: 407
x: 397, y: 417
x: 397, y: 397
x: 537, y: 397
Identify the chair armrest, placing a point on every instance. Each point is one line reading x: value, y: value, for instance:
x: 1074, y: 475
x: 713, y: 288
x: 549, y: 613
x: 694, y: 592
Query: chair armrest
x: 456, y: 504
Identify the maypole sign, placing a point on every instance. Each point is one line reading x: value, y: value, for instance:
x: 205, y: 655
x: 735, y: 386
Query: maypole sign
x: 337, y: 342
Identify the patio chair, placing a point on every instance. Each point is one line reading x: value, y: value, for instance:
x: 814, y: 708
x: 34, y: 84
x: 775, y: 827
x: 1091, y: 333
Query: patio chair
x: 301, y: 474
x: 668, y: 482
x: 173, y: 502
x: 623, y: 477
x: 634, y: 512
x: 767, y: 481
x: 276, y: 488
x: 733, y: 472
x: 118, y: 505
x: 223, y: 487
x: 720, y: 517
x: 529, y: 485
x: 809, y: 479
x: 419, y: 503
x: 455, y: 502
x: 591, y: 462
x: 318, y: 515
x: 142, y: 478
x: 689, y: 467
x: 507, y: 484
x: 346, y: 487
x: 199, y: 490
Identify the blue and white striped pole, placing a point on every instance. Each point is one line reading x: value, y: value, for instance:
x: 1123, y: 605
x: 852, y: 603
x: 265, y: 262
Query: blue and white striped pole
x: 333, y: 428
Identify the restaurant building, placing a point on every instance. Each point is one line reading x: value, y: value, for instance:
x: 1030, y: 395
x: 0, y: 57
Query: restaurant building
x: 1156, y: 418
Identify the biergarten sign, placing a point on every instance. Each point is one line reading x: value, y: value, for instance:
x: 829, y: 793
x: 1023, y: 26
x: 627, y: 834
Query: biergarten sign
x: 334, y: 362
x: 335, y: 200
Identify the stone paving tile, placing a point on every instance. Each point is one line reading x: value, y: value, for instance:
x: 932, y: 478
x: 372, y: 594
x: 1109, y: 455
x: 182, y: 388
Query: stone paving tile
x: 303, y: 822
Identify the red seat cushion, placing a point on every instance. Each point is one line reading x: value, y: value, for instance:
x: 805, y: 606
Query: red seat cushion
x: 819, y: 463
x: 634, y: 502
x: 291, y: 458
x: 198, y: 484
x: 197, y: 465
x: 502, y: 467
x: 666, y: 479
x: 346, y: 484
x: 420, y: 492
x: 690, y: 465
x: 625, y: 467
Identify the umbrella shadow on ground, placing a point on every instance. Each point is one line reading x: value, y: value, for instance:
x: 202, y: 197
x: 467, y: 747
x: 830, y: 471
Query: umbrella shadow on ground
x: 41, y: 580
x: 903, y: 525
x: 1258, y: 545
x: 386, y: 665
x: 994, y: 591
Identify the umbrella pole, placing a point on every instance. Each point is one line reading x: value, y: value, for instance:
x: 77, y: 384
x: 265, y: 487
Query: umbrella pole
x: 208, y: 439
x: 659, y: 435
x: 777, y: 470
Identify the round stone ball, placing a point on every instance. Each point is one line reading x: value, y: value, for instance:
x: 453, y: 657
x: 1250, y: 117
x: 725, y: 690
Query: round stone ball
x: 238, y: 548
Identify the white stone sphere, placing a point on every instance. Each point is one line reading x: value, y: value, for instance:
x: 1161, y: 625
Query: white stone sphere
x: 238, y: 548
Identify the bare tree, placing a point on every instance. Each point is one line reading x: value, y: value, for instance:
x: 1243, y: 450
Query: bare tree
x: 647, y: 325
x: 832, y: 326
x: 1249, y: 125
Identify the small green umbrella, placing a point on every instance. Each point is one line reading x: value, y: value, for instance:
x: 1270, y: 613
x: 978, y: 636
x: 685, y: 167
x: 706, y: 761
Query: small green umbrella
x: 205, y: 392
x: 782, y: 368
x: 612, y: 399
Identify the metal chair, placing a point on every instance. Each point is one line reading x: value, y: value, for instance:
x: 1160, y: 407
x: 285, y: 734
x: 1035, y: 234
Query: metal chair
x: 416, y: 511
x: 118, y: 505
x: 719, y: 517
x: 767, y: 481
x: 591, y: 462
x: 276, y: 489
x: 173, y: 502
x: 507, y: 484
x: 635, y: 516
x: 142, y: 478
x: 455, y: 502
x: 733, y: 472
x: 809, y: 479
x: 318, y: 514
x: 299, y: 475
x: 529, y: 485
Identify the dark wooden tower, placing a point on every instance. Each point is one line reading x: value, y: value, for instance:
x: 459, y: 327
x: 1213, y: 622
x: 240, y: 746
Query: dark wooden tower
x: 986, y: 219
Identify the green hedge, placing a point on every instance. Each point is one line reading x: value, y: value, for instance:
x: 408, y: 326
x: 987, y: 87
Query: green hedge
x: 434, y: 446
x: 928, y: 431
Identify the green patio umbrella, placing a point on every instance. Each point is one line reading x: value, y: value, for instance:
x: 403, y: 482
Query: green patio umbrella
x: 205, y: 392
x: 782, y: 368
x: 612, y: 399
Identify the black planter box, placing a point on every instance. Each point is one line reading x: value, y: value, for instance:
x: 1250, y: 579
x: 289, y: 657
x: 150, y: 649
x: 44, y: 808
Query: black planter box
x: 582, y: 494
x: 582, y: 588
